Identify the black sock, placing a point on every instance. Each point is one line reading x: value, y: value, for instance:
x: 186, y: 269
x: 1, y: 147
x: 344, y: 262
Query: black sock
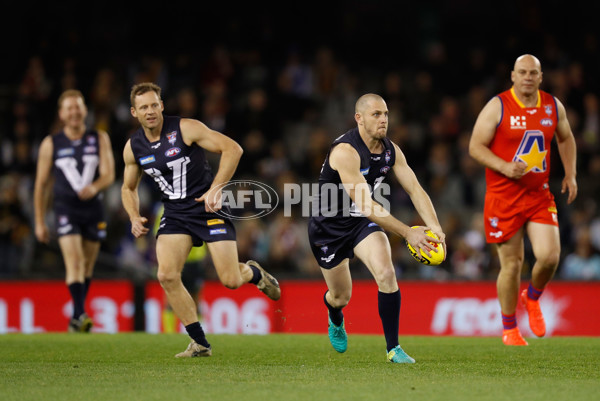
x: 86, y: 284
x: 195, y: 331
x: 77, y: 294
x: 389, y: 312
x: 335, y: 314
x: 256, y: 276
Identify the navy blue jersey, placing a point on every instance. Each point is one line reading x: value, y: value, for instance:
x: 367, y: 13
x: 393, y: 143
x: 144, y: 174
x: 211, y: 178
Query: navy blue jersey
x: 335, y: 206
x: 75, y: 167
x: 181, y: 172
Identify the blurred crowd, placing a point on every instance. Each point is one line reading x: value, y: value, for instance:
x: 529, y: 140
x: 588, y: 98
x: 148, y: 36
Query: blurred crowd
x: 285, y: 109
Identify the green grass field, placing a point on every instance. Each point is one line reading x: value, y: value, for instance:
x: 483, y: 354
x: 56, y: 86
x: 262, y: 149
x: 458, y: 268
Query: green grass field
x: 294, y: 367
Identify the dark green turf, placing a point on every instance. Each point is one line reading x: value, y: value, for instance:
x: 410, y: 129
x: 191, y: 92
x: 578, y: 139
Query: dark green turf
x: 294, y: 367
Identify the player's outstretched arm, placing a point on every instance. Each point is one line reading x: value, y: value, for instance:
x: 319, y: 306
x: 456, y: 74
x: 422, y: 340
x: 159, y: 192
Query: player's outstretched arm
x: 420, y: 199
x: 346, y: 161
x: 481, y: 138
x: 129, y: 192
x: 194, y: 131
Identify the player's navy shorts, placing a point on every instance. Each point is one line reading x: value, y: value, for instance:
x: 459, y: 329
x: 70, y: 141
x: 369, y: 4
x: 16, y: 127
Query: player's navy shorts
x: 331, y: 245
x: 87, y: 222
x: 198, y: 224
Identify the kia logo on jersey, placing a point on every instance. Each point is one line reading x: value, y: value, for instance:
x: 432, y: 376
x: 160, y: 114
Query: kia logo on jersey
x: 172, y: 152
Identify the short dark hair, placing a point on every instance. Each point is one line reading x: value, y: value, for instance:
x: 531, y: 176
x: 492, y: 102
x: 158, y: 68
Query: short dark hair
x: 141, y: 88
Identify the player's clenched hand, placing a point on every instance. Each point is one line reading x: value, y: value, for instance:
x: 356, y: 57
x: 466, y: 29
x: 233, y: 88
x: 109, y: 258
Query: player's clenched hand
x: 87, y: 192
x: 137, y: 226
x: 213, y: 199
x: 515, y: 170
x: 417, y: 238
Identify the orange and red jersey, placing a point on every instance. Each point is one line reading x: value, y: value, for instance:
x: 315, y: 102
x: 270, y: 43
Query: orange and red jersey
x: 523, y: 134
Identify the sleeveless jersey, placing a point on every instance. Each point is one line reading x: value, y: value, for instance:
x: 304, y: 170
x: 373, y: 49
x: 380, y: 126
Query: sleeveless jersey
x: 75, y: 167
x: 334, y: 204
x: 523, y: 134
x: 181, y: 172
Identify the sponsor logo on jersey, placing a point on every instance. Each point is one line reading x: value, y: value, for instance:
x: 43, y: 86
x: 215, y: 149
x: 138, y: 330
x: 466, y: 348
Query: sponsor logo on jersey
x: 388, y: 156
x: 213, y: 222
x: 518, y: 122
x: 172, y: 137
x: 494, y: 222
x: 531, y: 112
x: 91, y: 140
x: 90, y: 149
x: 156, y: 146
x: 172, y: 152
x: 376, y: 158
x: 547, y: 122
x: 216, y: 231
x: 548, y: 109
x: 532, y: 152
x: 496, y: 234
x: 324, y: 248
x: 385, y: 169
x: 372, y: 224
x: 147, y: 159
x: 364, y: 171
x: 65, y: 152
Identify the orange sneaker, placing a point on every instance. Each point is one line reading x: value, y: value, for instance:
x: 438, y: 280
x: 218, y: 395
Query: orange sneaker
x: 513, y: 337
x: 536, y: 319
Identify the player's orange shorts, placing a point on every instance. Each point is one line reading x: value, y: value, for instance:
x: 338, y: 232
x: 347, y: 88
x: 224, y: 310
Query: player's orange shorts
x: 502, y: 220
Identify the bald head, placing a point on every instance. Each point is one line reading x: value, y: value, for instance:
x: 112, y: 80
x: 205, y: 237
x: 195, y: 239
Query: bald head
x: 527, y: 77
x: 527, y: 60
x: 364, y: 101
x: 371, y: 115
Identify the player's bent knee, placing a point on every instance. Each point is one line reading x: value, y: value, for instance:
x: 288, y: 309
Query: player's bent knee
x: 511, y: 266
x: 550, y: 260
x: 167, y: 278
x: 340, y: 300
x: 386, y: 277
x: 232, y: 282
